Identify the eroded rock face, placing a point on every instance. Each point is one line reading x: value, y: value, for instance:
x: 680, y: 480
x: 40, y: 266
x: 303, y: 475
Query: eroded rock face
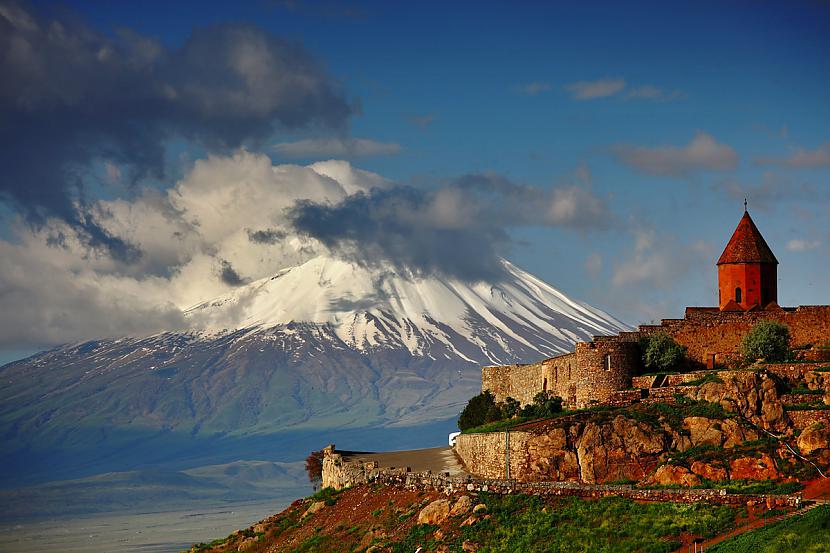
x: 752, y: 394
x: 753, y: 468
x: 624, y: 449
x: 813, y: 439
x: 435, y: 513
x: 552, y: 456
x: 710, y: 471
x: 672, y: 475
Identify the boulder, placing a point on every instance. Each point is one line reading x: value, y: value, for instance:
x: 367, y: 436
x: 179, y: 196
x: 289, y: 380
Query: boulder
x: 316, y: 506
x: 469, y: 546
x: 435, y: 513
x: 461, y: 506
x: 814, y: 438
x: 734, y: 434
x: 710, y: 471
x: 480, y: 508
x: 704, y: 431
x: 247, y: 544
x: 753, y: 468
x: 671, y: 475
x: 551, y: 457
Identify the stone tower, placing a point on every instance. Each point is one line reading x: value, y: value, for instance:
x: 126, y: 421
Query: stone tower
x: 747, y: 270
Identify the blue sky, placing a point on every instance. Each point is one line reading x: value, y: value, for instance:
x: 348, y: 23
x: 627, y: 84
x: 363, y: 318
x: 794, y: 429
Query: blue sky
x: 669, y: 113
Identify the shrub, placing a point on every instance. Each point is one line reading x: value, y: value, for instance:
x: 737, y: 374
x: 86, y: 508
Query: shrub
x: 475, y: 412
x: 510, y: 408
x: 660, y: 352
x: 769, y: 340
x: 314, y: 467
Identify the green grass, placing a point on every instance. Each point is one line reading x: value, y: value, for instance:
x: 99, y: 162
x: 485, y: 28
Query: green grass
x: 316, y: 542
x: 711, y: 377
x: 812, y: 406
x: 808, y: 533
x: 609, y: 525
x: 327, y: 495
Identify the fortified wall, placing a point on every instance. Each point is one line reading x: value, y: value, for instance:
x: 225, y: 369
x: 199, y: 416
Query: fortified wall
x: 597, y: 371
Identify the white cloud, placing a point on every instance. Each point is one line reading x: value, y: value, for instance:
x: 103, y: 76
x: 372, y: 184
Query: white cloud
x: 801, y: 245
x: 801, y: 158
x: 590, y: 90
x: 336, y: 147
x: 60, y: 289
x: 703, y: 152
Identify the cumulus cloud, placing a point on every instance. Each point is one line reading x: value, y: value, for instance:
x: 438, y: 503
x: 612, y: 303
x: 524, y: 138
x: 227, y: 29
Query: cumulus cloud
x: 224, y: 224
x: 235, y: 219
x: 702, y: 153
x: 658, y: 261
x: 591, y: 90
x: 801, y: 158
x: 73, y: 97
x: 460, y: 229
x: 336, y: 147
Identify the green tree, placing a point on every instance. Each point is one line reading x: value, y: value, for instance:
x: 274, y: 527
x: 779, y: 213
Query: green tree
x: 475, y: 412
x: 769, y: 340
x: 510, y: 407
x: 660, y: 352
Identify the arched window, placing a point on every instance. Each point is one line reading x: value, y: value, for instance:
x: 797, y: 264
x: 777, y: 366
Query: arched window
x: 737, y: 295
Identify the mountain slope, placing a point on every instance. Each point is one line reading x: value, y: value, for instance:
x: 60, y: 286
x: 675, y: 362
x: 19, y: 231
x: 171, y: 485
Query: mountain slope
x: 321, y: 346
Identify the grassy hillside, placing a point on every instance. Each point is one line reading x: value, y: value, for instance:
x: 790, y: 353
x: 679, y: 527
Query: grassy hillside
x: 808, y: 533
x: 359, y: 518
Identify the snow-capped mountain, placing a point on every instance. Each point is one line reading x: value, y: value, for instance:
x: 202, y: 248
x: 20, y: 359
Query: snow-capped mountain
x: 518, y: 318
x: 324, y: 345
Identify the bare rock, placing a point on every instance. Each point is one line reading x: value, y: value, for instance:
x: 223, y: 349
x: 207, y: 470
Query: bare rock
x: 246, y: 544
x: 480, y: 508
x: 672, y: 475
x: 435, y: 513
x: 470, y: 520
x: 625, y: 448
x: 704, y: 431
x: 734, y: 434
x: 814, y: 438
x: 710, y: 471
x: 316, y: 506
x: 259, y: 528
x: 753, y: 468
x: 469, y: 546
x: 461, y: 506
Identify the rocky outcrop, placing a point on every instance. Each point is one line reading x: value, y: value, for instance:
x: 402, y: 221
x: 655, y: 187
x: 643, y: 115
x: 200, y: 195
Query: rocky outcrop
x: 751, y: 394
x: 714, y: 472
x: 814, y: 438
x: 761, y: 467
x: 623, y: 449
x: 672, y: 475
x: 726, y: 433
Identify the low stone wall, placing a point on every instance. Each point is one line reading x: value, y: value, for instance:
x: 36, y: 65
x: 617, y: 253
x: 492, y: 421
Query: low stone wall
x: 802, y: 419
x: 793, y: 372
x: 490, y: 453
x: 796, y: 399
x: 425, y: 481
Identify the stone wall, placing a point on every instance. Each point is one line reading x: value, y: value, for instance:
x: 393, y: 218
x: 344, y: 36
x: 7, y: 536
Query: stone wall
x: 427, y: 481
x: 490, y: 452
x: 521, y: 382
x: 706, y: 332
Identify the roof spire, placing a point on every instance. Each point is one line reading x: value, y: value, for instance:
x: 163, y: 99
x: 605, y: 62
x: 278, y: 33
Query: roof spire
x: 745, y: 209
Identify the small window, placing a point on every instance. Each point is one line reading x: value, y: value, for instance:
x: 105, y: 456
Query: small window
x: 569, y: 371
x: 737, y: 295
x: 545, y: 385
x: 607, y: 362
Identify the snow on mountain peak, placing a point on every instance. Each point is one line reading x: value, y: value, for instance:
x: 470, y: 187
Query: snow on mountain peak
x: 380, y: 307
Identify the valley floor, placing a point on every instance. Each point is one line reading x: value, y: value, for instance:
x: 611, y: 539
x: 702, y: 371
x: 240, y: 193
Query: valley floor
x: 153, y: 532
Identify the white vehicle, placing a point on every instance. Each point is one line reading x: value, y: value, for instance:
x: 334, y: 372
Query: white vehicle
x: 453, y: 436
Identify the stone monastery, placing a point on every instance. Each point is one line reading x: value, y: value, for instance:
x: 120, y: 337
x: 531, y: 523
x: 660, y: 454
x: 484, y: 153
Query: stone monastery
x: 601, y: 371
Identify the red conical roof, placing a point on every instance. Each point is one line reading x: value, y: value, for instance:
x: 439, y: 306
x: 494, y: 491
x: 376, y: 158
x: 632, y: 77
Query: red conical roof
x: 747, y: 245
